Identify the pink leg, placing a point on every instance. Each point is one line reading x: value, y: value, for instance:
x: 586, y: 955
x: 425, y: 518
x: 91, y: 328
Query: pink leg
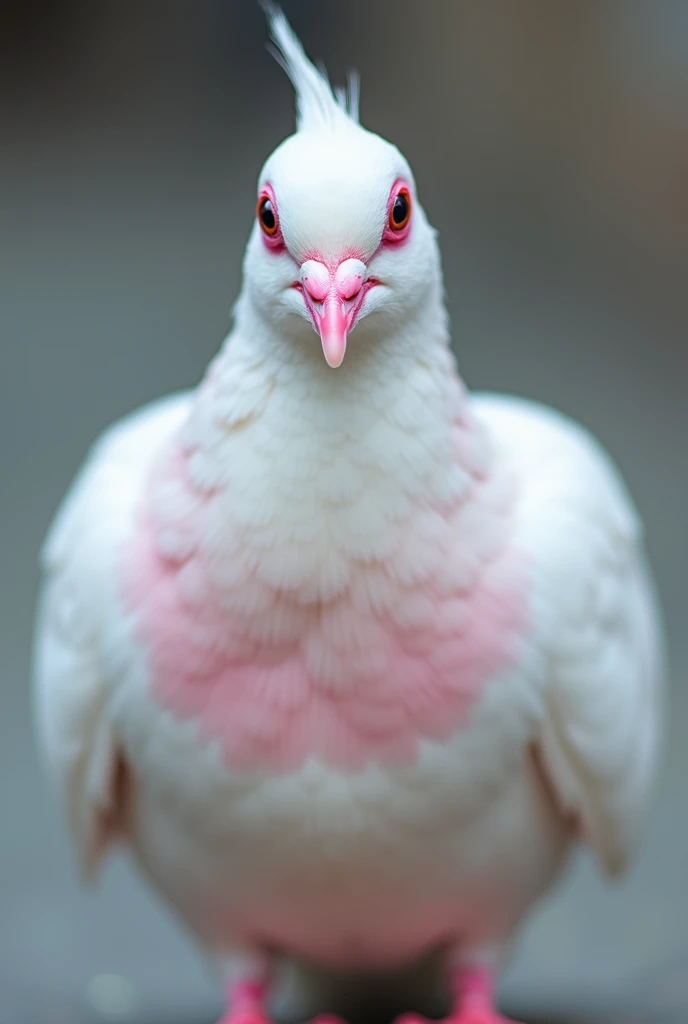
x: 245, y: 999
x: 473, y: 987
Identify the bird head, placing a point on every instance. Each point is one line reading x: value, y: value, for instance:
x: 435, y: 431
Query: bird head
x: 339, y: 235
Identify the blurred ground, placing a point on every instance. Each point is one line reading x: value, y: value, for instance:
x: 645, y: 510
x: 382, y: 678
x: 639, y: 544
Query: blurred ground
x: 550, y: 145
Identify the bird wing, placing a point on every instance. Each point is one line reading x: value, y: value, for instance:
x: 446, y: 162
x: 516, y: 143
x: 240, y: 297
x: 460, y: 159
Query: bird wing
x: 71, y: 687
x: 596, y: 620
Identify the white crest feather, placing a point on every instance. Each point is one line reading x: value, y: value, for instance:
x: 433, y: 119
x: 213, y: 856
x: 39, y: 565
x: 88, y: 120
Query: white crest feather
x: 317, y: 106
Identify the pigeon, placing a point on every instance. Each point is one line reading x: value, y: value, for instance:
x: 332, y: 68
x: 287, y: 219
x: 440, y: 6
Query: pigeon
x: 348, y: 658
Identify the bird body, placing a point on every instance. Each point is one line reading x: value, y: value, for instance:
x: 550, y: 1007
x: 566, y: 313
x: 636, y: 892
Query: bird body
x: 347, y: 656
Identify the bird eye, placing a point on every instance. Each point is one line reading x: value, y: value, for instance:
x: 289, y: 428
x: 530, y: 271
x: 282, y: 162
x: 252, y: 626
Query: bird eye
x: 400, y: 210
x: 267, y: 216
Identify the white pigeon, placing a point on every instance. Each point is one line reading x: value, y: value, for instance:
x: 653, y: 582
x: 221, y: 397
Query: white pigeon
x: 348, y: 657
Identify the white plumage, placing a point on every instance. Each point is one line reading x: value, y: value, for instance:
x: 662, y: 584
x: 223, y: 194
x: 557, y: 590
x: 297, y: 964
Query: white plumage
x: 347, y: 520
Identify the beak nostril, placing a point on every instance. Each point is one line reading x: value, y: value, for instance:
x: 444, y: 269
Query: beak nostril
x: 316, y: 289
x: 315, y: 278
x: 350, y: 286
x: 349, y: 278
x: 333, y: 296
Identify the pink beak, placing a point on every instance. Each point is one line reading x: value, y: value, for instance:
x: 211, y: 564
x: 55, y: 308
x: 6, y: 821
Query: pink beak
x: 333, y: 297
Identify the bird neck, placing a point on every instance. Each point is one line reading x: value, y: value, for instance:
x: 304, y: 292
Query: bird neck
x: 317, y: 470
x: 382, y: 370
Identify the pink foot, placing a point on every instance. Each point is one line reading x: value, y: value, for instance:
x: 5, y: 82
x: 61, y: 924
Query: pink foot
x: 474, y: 1000
x: 252, y: 1014
x: 246, y: 1015
x: 246, y: 1005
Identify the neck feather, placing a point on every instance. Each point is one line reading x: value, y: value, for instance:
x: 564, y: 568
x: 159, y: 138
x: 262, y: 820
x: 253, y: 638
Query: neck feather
x: 318, y: 469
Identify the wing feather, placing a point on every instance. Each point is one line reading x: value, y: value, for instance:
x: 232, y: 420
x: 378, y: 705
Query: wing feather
x: 71, y: 686
x: 597, y: 620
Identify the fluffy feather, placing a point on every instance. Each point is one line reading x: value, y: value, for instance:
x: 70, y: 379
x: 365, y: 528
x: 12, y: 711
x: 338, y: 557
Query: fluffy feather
x: 346, y: 657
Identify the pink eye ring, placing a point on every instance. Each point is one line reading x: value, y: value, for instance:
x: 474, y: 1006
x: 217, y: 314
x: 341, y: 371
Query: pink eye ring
x: 268, y: 219
x: 399, y: 214
x: 267, y: 216
x: 400, y: 211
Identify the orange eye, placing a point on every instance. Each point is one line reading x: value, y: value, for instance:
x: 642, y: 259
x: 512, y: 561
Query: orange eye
x: 400, y: 210
x: 267, y: 216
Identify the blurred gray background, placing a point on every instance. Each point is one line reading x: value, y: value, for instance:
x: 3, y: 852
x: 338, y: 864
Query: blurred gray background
x: 550, y: 144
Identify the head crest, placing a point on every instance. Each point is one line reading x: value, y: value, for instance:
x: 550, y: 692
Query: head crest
x: 317, y: 106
